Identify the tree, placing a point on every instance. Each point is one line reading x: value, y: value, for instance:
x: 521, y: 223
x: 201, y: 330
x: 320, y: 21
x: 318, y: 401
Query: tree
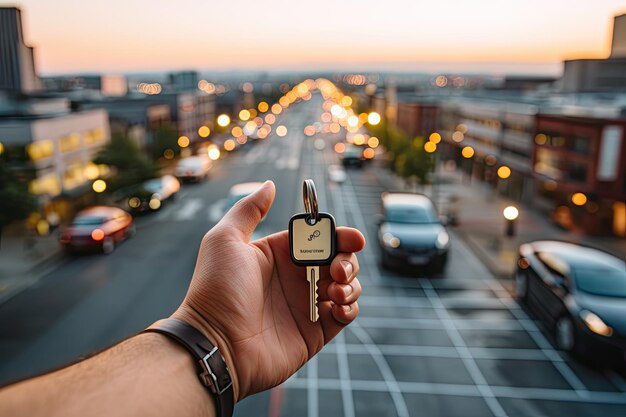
x: 16, y: 203
x: 165, y: 137
x: 129, y: 164
x: 414, y: 163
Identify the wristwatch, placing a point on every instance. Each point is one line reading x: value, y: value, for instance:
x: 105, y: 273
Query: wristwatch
x: 212, y: 369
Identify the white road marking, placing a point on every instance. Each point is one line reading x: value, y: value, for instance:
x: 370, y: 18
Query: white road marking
x: 216, y: 210
x: 189, y: 209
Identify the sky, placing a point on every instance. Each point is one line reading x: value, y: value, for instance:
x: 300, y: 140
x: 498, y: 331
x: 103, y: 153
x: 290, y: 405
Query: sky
x: 494, y: 36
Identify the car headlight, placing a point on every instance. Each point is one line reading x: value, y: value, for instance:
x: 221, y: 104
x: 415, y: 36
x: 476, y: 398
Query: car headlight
x: 442, y: 240
x: 595, y: 324
x: 391, y: 241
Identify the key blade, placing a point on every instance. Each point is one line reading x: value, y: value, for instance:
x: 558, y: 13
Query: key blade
x: 312, y: 276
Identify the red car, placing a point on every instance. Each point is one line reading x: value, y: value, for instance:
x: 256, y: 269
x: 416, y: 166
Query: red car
x: 98, y: 227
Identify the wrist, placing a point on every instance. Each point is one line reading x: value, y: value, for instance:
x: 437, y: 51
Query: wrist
x: 215, y: 336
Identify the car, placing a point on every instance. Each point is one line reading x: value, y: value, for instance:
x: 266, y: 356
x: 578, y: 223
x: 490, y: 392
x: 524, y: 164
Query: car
x: 336, y: 174
x: 579, y: 293
x: 410, y: 234
x: 150, y: 195
x: 97, y: 228
x: 352, y: 156
x: 193, y: 168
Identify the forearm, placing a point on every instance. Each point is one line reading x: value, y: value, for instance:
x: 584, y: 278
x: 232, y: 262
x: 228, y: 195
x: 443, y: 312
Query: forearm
x: 146, y: 375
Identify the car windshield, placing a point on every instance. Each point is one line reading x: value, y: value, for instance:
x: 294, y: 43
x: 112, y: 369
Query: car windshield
x: 609, y: 282
x: 411, y: 215
x: 153, y: 185
x: 88, y: 221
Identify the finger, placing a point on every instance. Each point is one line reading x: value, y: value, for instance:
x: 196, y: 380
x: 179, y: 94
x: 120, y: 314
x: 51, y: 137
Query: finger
x: 346, y: 313
x: 344, y: 294
x: 349, y: 240
x: 344, y: 268
x: 246, y: 214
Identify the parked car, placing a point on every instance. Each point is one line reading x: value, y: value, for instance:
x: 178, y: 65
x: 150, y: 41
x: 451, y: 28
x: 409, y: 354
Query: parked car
x: 352, y: 156
x: 193, y: 168
x: 97, y: 228
x: 579, y: 293
x: 337, y: 174
x: 150, y: 195
x: 410, y: 234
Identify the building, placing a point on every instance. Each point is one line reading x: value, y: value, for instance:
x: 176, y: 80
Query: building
x: 580, y: 169
x: 54, y: 148
x: 595, y: 75
x: 183, y: 81
x: 90, y: 85
x: 17, y: 61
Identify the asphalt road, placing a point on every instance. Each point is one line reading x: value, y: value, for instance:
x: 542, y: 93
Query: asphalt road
x: 456, y: 345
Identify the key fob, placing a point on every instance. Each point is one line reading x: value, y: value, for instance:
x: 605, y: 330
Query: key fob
x: 312, y: 244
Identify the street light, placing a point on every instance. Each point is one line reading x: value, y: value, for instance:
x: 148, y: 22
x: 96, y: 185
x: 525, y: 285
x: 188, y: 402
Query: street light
x: 223, y: 120
x: 99, y: 186
x: 510, y: 214
x: 373, y: 118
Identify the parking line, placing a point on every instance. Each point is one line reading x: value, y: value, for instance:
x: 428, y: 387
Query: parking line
x: 466, y: 356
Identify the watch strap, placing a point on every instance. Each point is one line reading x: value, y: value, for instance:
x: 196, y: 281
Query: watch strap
x: 212, y: 369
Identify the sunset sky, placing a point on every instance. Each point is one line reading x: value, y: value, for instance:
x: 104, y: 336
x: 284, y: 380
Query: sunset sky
x: 495, y: 36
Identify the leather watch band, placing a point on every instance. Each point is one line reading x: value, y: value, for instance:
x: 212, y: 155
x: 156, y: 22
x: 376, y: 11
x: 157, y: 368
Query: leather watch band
x: 213, y: 372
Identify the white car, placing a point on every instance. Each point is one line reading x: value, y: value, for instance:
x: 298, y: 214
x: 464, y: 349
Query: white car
x: 194, y: 168
x: 336, y: 174
x: 166, y: 186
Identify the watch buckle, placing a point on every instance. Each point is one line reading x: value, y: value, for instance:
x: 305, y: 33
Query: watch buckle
x: 208, y: 377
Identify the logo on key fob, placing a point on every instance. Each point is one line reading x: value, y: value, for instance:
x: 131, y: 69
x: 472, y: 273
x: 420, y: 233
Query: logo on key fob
x: 314, y: 235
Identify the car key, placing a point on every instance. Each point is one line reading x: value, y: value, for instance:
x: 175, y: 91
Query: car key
x: 312, y: 242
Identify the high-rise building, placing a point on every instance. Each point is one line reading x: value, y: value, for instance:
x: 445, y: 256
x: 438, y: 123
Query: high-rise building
x: 618, y: 44
x: 17, y: 63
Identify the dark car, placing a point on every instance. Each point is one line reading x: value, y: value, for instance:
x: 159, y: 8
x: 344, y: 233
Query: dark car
x: 579, y: 293
x: 97, y: 228
x: 410, y: 233
x: 150, y: 195
x: 352, y: 156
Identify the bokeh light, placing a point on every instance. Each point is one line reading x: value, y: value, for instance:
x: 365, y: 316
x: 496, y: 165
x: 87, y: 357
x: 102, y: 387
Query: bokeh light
x: 223, y: 120
x: 99, y: 186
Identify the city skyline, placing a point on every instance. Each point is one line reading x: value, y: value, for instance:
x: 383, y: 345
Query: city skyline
x: 452, y: 35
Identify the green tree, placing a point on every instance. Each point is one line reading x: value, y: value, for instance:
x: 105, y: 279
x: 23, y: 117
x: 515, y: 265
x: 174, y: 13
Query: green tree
x: 16, y: 203
x: 165, y: 137
x: 413, y: 163
x: 130, y: 165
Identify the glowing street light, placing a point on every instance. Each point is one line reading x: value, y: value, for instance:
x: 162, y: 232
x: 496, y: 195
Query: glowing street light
x: 430, y: 147
x: 504, y: 172
x: 373, y: 118
x: 223, y: 120
x: 183, y: 141
x: 99, y: 186
x: 467, y: 152
x: 510, y: 214
x: 579, y: 199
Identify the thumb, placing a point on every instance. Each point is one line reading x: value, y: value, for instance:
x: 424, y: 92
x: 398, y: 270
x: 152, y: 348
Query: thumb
x: 246, y: 214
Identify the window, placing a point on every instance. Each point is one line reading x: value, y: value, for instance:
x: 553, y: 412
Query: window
x: 69, y: 143
x: 577, y: 172
x: 580, y: 144
x: 40, y: 149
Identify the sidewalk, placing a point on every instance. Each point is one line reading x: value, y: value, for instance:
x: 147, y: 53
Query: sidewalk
x: 482, y: 226
x: 24, y: 258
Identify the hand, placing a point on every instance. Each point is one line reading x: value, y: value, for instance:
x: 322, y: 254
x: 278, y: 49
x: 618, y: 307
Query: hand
x: 250, y: 299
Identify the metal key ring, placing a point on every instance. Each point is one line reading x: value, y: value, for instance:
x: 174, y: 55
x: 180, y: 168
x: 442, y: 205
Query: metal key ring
x: 310, y: 200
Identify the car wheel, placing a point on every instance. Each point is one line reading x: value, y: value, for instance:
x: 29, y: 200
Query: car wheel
x: 564, y: 334
x: 521, y: 285
x: 439, y: 266
x: 108, y: 245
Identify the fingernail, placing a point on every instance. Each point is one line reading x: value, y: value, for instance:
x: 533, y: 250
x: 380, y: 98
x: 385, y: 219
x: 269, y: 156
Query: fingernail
x: 348, y: 267
x: 347, y: 308
x: 347, y: 290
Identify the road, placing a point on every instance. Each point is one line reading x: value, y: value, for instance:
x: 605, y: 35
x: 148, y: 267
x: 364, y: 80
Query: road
x: 456, y: 345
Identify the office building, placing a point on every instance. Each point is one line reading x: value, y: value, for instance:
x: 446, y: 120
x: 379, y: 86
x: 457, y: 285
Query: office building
x: 17, y: 62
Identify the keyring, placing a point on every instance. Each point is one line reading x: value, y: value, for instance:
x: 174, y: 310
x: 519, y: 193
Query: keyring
x: 310, y: 200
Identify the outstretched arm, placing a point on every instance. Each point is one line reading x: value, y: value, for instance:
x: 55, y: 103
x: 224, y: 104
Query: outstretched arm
x: 246, y: 297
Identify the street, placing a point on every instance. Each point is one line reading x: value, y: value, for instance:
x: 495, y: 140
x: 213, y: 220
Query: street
x: 455, y: 345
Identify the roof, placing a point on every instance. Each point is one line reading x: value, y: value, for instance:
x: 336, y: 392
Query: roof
x: 577, y: 256
x: 406, y: 199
